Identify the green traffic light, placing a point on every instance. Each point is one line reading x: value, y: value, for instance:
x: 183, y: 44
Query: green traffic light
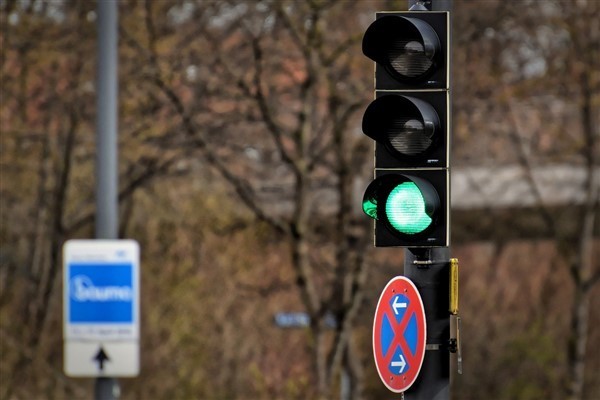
x: 405, y: 209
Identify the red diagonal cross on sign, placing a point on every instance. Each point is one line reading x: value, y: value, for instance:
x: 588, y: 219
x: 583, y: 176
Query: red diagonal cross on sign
x: 399, y: 328
x: 389, y: 332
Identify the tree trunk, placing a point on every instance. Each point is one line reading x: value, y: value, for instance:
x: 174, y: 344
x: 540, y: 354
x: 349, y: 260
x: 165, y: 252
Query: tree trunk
x: 582, y: 269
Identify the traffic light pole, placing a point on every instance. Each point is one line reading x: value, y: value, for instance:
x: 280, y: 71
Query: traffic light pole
x: 429, y: 270
x: 430, y: 5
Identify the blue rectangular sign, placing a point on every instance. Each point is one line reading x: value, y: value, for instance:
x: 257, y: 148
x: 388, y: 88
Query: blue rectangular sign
x: 101, y: 293
x: 300, y: 320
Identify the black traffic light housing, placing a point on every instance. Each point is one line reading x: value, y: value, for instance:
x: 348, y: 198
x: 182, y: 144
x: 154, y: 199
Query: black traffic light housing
x: 410, y: 49
x: 431, y: 183
x: 410, y: 128
x: 409, y: 120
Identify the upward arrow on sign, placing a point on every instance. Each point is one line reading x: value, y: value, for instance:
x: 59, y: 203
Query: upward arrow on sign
x: 101, y: 357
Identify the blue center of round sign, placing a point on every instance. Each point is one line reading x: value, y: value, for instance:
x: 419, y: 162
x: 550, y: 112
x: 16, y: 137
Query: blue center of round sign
x: 399, y: 364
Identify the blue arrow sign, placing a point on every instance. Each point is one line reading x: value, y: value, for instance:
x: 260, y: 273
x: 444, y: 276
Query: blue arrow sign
x: 398, y: 365
x: 399, y: 303
x: 300, y: 320
x: 399, y: 334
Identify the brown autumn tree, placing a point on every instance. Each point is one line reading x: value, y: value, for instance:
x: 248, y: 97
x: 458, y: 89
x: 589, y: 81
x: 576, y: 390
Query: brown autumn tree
x: 48, y: 53
x: 273, y: 82
x: 543, y: 101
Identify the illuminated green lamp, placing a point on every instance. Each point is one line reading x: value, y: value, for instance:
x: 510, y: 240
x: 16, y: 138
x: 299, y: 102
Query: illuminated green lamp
x: 406, y: 206
x: 405, y: 209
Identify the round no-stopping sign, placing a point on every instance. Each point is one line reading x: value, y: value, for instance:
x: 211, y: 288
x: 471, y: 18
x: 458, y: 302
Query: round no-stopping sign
x: 399, y: 334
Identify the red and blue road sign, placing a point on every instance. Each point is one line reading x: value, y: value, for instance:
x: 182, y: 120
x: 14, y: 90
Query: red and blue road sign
x: 399, y: 334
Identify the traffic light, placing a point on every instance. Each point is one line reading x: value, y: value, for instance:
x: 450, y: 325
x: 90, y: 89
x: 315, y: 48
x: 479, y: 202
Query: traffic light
x: 409, y: 122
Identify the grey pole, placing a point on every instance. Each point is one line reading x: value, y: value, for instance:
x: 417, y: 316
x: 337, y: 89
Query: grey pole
x: 106, y: 122
x: 345, y: 384
x: 106, y: 388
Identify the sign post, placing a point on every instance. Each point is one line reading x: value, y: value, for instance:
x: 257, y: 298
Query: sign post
x: 101, y: 308
x: 429, y: 269
x: 107, y: 172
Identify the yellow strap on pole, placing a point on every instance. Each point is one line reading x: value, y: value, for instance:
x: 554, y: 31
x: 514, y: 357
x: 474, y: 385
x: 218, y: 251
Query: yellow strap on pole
x: 453, y: 286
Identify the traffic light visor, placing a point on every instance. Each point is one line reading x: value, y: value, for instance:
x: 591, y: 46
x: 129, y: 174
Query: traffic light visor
x: 408, y: 48
x: 406, y: 126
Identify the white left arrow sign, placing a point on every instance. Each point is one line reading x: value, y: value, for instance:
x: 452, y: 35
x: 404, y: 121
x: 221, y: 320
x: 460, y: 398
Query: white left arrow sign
x: 397, y: 305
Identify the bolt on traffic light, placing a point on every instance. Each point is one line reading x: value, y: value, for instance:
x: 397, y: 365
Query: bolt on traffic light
x: 409, y: 122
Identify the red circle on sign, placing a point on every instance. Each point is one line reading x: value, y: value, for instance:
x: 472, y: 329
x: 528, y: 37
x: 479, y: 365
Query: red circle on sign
x: 399, y: 334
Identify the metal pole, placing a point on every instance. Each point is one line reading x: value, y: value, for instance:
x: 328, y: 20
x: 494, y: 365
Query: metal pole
x: 106, y: 388
x: 106, y: 122
x: 429, y: 269
x: 345, y: 384
x: 430, y: 5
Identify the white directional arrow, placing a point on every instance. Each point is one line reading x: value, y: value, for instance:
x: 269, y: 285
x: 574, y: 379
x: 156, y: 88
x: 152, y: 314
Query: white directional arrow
x: 401, y: 363
x: 396, y: 305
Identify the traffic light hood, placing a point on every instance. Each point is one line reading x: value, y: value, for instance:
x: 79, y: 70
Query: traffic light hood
x: 408, y: 48
x: 407, y: 126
